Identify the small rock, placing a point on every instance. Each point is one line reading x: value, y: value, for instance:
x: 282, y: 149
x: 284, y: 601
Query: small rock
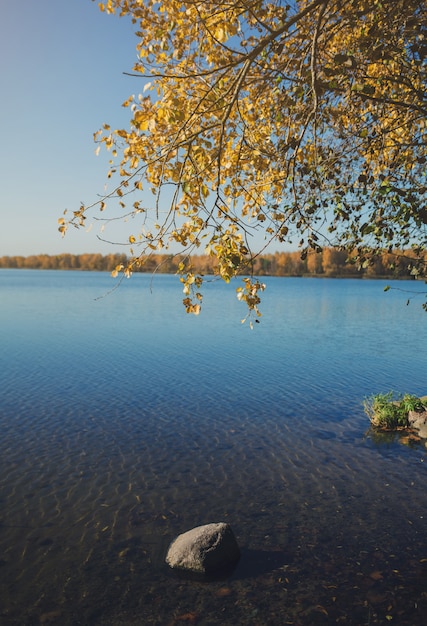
x: 204, y: 550
x: 418, y: 420
x: 51, y: 616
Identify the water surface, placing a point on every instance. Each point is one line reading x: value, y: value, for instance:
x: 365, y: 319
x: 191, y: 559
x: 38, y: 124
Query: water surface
x: 125, y: 422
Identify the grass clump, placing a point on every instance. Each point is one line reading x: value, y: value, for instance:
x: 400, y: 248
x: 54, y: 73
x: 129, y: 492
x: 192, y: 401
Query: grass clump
x: 387, y: 412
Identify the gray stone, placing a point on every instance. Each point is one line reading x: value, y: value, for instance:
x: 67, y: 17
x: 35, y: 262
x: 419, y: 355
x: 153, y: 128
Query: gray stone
x: 418, y: 420
x: 204, y: 550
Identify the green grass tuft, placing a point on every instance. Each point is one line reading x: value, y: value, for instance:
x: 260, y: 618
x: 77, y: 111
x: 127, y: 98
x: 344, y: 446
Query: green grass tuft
x: 387, y: 412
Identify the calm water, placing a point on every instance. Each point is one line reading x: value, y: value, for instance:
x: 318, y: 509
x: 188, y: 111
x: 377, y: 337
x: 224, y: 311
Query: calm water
x: 125, y: 422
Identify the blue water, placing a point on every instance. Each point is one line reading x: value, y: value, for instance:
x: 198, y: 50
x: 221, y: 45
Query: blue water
x: 125, y: 422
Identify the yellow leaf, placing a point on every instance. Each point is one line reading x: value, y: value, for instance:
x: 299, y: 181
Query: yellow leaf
x: 140, y: 120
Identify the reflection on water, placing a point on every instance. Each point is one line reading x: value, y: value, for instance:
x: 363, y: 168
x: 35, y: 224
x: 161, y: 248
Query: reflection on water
x: 125, y: 423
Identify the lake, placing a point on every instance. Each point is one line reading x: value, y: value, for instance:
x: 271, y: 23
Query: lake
x: 125, y: 422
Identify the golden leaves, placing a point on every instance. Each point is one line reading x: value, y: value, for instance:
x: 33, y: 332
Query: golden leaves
x: 117, y: 269
x: 261, y: 117
x: 190, y: 307
x: 250, y: 295
x: 191, y: 283
x: 63, y: 227
x: 140, y: 120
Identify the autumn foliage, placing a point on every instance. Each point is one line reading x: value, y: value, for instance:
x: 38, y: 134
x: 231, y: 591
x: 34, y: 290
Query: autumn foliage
x: 327, y: 262
x: 304, y: 121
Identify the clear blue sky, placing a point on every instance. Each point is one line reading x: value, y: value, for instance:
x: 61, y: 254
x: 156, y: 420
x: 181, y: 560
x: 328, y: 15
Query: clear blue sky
x: 62, y: 71
x: 61, y: 68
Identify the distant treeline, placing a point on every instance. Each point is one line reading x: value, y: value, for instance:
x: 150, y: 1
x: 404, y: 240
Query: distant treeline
x: 328, y: 262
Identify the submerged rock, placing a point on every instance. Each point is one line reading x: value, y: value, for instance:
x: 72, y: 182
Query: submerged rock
x: 205, y: 549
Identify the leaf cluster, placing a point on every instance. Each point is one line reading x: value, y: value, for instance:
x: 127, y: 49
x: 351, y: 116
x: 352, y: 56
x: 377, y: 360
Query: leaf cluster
x: 301, y: 122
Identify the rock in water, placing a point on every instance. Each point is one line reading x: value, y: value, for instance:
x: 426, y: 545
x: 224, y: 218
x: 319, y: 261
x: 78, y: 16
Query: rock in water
x: 418, y: 420
x: 204, y: 550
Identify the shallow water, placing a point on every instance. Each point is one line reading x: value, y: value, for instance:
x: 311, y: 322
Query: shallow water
x: 125, y: 422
